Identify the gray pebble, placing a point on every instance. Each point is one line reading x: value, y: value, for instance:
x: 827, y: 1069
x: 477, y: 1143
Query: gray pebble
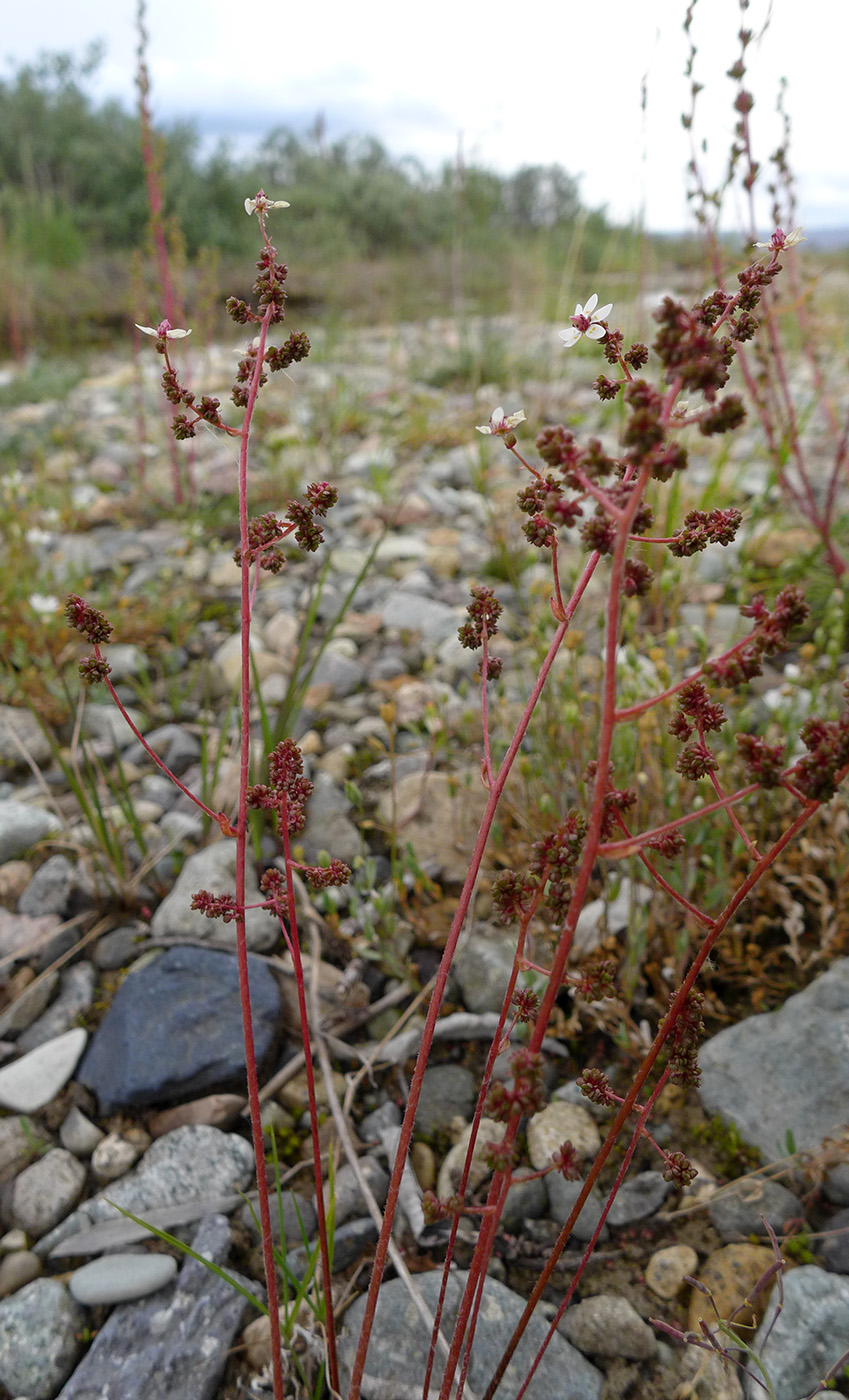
x: 46, y: 1192
x: 39, y: 1338
x: 118, y: 1278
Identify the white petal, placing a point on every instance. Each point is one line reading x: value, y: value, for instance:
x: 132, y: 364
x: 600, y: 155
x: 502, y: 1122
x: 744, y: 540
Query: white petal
x: 570, y: 337
x: 484, y: 428
x: 250, y: 206
x: 497, y: 417
x: 590, y: 306
x: 596, y: 332
x: 176, y: 335
x: 762, y: 245
x: 603, y: 312
x: 797, y: 236
x: 514, y: 419
x: 579, y: 310
x: 278, y: 204
x: 146, y: 330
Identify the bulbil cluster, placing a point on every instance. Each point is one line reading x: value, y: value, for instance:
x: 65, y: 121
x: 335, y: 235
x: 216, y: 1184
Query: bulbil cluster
x: 484, y: 611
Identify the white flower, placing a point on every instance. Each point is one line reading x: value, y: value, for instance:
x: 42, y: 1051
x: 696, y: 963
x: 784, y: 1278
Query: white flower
x: 499, y: 424
x: 780, y: 240
x: 162, y: 332
x: 587, y: 321
x: 43, y: 602
x: 261, y: 203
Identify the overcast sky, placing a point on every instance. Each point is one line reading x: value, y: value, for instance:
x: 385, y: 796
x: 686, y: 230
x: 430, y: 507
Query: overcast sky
x: 520, y: 83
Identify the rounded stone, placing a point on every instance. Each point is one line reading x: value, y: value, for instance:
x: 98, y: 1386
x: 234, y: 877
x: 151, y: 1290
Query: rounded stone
x: 118, y: 1278
x: 527, y: 1199
x: 117, y: 1153
x: 31, y: 1082
x: 40, y: 1342
x: 638, y: 1198
x: 834, y: 1247
x: 666, y: 1269
x: 448, y: 1092
x: 17, y: 1270
x: 47, y: 1191
x: 608, y: 1326
x: 730, y: 1274
x: 78, y: 1134
x: 452, y: 1168
x: 740, y: 1210
x: 174, y: 1028
x: 558, y: 1123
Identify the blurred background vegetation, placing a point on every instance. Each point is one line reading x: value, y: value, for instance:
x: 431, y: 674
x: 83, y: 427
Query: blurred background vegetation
x: 372, y: 236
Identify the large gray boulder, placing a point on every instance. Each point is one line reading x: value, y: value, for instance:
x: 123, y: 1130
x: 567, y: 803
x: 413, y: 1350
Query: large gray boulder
x: 787, y: 1072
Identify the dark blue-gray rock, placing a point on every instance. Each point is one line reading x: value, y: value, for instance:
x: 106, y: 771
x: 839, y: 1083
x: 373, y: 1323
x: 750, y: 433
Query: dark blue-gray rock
x: 448, y: 1092
x: 833, y: 1248
x: 400, y: 1341
x: 76, y: 994
x: 193, y: 1163
x: 51, y: 888
x: 638, y: 1197
x: 174, y: 1343
x: 174, y: 1030
x: 214, y: 868
x: 786, y: 1072
x: 739, y: 1210
x: 350, y: 1241
x: 810, y: 1333
x: 39, y: 1346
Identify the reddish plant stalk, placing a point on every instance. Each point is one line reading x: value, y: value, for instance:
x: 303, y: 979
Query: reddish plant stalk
x: 294, y: 945
x: 581, y: 886
x: 637, y: 1133
x: 630, y: 1100
x: 442, y: 978
x: 241, y: 865
x: 151, y: 151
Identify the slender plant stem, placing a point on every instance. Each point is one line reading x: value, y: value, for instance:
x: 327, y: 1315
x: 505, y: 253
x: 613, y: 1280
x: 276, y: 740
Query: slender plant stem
x: 241, y: 865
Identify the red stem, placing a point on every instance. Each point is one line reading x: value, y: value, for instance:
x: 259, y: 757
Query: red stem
x: 442, y: 978
x: 596, y: 1235
x: 293, y: 942
x: 642, y: 1075
x: 241, y: 866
